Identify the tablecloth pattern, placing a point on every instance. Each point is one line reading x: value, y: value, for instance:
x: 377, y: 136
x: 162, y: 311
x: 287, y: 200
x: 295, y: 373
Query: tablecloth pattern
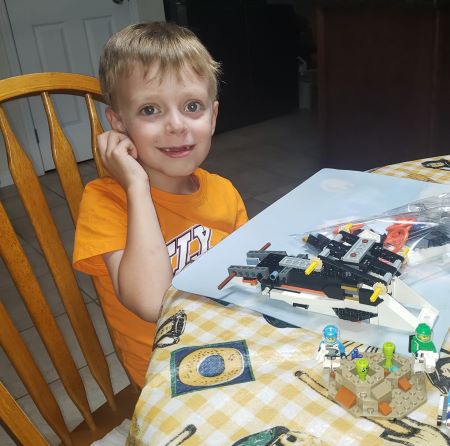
x: 271, y: 391
x: 435, y: 169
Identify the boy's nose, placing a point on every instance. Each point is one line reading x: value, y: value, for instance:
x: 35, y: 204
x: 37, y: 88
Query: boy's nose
x: 175, y: 122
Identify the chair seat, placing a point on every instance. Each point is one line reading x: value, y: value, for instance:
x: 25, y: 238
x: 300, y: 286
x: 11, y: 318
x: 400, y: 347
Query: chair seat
x: 117, y: 437
x: 105, y: 418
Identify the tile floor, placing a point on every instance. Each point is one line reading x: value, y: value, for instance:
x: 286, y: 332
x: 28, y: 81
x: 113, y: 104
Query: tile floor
x: 264, y: 161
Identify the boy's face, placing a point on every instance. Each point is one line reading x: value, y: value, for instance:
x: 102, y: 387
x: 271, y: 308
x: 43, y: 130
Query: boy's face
x: 170, y: 120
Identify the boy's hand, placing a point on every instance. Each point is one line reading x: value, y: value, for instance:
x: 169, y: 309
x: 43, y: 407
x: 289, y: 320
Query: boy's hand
x: 119, y: 156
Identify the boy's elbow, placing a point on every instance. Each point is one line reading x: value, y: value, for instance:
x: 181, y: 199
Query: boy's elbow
x: 142, y: 311
x: 146, y: 308
x: 148, y: 316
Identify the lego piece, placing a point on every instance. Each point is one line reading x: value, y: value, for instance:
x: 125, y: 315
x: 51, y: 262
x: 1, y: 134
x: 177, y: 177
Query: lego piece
x: 356, y: 253
x: 315, y: 264
x: 295, y: 262
x: 252, y: 282
x: 388, y: 352
x: 226, y: 280
x: 397, y: 234
x: 384, y: 408
x: 354, y: 354
x: 443, y: 415
x: 425, y: 362
x: 345, y: 397
x: 378, y: 288
x: 362, y: 368
x: 368, y: 233
x: 382, y: 391
x: 404, y: 384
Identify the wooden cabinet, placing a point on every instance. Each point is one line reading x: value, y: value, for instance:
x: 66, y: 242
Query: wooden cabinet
x: 441, y: 128
x: 384, y: 82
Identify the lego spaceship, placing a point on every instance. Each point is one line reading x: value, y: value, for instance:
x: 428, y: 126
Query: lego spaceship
x: 353, y: 277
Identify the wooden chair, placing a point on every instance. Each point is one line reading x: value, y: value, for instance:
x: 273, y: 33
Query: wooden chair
x: 96, y: 424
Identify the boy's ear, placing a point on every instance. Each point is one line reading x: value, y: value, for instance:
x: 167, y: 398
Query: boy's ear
x: 114, y: 120
x: 214, y: 116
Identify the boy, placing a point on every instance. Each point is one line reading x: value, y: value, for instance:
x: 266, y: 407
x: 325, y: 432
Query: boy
x: 157, y: 211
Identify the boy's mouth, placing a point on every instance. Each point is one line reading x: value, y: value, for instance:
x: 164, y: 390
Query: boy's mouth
x: 177, y: 151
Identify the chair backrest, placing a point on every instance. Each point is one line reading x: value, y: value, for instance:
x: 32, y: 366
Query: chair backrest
x: 18, y: 265
x: 19, y: 423
x: 43, y: 84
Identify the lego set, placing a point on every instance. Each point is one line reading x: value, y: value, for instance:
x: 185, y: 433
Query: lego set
x: 379, y: 384
x: 354, y: 273
x: 365, y: 387
x: 353, y: 277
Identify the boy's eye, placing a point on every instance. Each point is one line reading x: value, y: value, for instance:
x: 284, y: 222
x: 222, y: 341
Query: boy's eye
x: 149, y: 110
x: 193, y: 106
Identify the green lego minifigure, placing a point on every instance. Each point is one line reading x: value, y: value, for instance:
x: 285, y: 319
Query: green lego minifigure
x: 422, y: 339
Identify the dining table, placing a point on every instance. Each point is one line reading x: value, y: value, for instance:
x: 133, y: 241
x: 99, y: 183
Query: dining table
x: 227, y: 375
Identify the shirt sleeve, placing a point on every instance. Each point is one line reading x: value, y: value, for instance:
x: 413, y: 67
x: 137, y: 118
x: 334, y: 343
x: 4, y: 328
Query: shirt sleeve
x: 101, y: 225
x: 241, y: 214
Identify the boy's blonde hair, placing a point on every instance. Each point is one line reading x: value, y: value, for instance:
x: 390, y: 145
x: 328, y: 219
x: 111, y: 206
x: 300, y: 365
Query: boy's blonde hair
x: 164, y: 45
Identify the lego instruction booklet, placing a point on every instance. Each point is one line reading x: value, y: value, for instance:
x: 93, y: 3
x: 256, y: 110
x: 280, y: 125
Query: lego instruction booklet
x: 328, y: 197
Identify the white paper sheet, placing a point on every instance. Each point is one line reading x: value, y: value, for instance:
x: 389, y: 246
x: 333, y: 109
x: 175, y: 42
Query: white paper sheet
x: 327, y: 196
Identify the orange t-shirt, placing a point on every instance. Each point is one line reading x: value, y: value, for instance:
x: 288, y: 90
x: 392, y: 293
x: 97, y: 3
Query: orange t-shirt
x: 190, y: 224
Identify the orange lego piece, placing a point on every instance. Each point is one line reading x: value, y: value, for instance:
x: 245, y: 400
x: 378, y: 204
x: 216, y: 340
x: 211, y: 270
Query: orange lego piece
x: 384, y: 408
x: 345, y: 397
x: 397, y: 234
x: 404, y: 384
x: 252, y: 282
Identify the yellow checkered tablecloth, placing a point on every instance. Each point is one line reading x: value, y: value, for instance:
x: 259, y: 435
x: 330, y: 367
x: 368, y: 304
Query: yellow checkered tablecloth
x: 271, y: 391
x: 435, y: 169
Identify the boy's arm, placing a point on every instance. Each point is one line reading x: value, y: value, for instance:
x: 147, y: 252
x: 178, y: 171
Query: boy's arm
x: 142, y: 272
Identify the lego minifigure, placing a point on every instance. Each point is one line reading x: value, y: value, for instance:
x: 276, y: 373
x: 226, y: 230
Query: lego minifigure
x: 331, y: 349
x: 423, y: 349
x: 362, y: 368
